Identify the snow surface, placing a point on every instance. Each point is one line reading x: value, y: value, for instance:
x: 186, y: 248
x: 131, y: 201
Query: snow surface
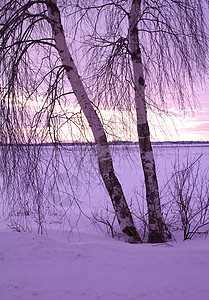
x: 89, y: 265
x: 98, y: 267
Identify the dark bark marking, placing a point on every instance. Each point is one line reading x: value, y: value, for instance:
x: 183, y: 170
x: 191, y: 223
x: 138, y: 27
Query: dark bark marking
x: 156, y: 237
x: 136, y: 55
x: 124, y: 213
x: 143, y: 130
x: 106, y: 170
x: 145, y: 145
x: 102, y: 140
x: 144, y: 137
x: 151, y: 196
x: 117, y: 199
x: 68, y: 68
x: 131, y: 231
x: 141, y: 81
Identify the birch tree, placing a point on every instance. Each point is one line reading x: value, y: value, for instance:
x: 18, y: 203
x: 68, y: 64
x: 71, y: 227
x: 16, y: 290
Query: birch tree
x: 146, y: 54
x: 156, y: 224
x: 25, y: 43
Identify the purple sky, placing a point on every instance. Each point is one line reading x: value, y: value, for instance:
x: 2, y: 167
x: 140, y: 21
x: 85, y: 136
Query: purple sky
x: 192, y: 127
x: 196, y: 127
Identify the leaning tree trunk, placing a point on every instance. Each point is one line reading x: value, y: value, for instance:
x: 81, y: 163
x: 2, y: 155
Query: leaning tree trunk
x: 103, y: 153
x: 156, y: 222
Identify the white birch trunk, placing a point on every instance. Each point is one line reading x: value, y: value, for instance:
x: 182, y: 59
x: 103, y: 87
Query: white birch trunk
x: 156, y: 223
x: 103, y: 153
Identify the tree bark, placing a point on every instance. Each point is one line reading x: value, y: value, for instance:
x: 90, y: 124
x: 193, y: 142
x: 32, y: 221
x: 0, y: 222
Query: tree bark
x: 156, y: 222
x: 103, y: 152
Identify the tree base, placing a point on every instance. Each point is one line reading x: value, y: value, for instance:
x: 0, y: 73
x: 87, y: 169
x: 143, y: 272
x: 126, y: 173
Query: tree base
x: 159, y: 237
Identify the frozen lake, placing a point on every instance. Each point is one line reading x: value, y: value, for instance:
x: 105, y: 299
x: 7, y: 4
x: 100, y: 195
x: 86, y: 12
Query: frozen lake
x: 69, y: 186
x: 88, y: 263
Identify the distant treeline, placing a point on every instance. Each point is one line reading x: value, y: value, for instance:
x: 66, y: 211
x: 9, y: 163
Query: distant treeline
x: 110, y: 143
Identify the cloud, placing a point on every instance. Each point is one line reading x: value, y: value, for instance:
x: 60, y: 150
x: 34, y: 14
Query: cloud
x: 202, y: 126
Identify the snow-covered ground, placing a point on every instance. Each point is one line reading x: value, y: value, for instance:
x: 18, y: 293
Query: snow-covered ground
x: 98, y: 267
x: 88, y: 264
